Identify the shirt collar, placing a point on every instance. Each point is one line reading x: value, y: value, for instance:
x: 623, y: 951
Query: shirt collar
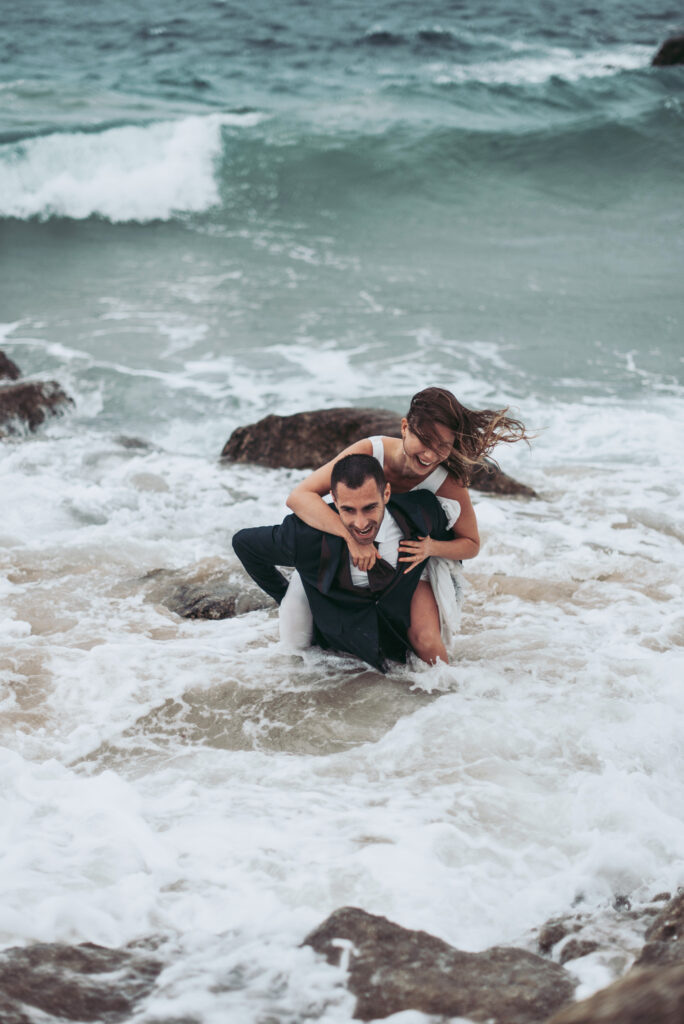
x: 385, y: 527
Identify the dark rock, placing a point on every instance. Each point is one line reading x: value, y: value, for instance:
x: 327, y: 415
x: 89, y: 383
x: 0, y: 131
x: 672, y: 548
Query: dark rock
x: 671, y: 52
x: 576, y: 948
x: 662, y: 897
x: 205, y: 591
x: 647, y: 995
x: 28, y: 403
x: 393, y: 968
x: 665, y: 936
x: 81, y: 983
x: 309, y: 439
x: 552, y: 932
x: 8, y: 369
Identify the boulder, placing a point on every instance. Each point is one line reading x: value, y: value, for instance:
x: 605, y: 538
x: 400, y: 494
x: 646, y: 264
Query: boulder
x: 306, y: 440
x: 205, y: 591
x: 26, y: 404
x: 8, y: 369
x: 671, y: 52
x: 665, y: 936
x: 80, y: 983
x: 645, y: 995
x: 391, y: 969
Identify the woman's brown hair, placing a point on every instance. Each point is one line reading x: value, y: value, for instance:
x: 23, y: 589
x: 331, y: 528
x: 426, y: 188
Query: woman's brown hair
x: 477, y: 431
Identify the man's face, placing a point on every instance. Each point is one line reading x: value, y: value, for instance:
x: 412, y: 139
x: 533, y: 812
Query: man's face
x: 361, y: 509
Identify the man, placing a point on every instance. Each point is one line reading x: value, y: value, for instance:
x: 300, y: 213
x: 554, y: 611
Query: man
x: 366, y: 614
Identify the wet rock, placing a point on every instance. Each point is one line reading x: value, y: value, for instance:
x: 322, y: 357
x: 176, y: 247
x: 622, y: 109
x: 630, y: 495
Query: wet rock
x: 28, y: 403
x: 309, y: 439
x: 8, y: 369
x: 665, y: 936
x: 671, y: 52
x: 647, y: 995
x: 393, y: 969
x: 576, y: 948
x: 80, y: 983
x: 554, y: 931
x: 205, y: 591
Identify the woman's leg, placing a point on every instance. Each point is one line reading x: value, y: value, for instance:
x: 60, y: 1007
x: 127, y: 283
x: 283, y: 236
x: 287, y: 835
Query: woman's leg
x: 424, y: 631
x: 296, y: 620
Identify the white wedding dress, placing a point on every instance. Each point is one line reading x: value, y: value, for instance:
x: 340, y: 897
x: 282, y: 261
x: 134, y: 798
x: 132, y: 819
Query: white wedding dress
x: 444, y: 575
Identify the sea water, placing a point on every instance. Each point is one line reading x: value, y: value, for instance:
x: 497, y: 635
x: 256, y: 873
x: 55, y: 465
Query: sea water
x: 213, y: 213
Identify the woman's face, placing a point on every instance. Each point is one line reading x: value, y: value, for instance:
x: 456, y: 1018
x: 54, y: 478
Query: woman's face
x: 422, y: 457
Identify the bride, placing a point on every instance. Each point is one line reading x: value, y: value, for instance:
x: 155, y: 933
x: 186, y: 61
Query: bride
x: 441, y: 441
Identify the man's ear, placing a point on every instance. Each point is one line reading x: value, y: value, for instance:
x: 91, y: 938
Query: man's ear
x: 386, y: 493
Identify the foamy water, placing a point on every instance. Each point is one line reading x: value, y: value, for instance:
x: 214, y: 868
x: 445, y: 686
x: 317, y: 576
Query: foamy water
x: 188, y: 780
x: 132, y: 173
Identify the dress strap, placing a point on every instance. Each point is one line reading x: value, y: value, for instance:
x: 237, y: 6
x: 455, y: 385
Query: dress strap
x: 378, y: 449
x: 434, y: 481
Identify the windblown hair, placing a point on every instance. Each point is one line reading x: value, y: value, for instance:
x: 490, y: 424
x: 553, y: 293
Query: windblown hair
x: 477, y: 431
x: 354, y: 470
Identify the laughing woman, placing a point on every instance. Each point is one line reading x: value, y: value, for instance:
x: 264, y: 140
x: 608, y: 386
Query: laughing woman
x: 441, y: 442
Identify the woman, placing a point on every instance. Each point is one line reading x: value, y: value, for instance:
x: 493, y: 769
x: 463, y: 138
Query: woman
x: 441, y: 441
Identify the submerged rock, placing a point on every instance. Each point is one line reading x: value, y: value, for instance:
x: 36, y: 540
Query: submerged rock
x: 671, y: 52
x: 306, y: 440
x: 665, y: 937
x: 393, y: 969
x: 8, y: 369
x: 205, y: 591
x: 80, y: 983
x: 28, y: 403
x: 646, y: 995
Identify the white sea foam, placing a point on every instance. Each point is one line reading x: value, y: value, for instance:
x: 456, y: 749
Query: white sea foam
x: 132, y: 173
x: 537, y: 68
x: 190, y: 780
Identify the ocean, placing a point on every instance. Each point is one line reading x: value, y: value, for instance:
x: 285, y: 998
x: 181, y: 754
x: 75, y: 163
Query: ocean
x: 212, y: 212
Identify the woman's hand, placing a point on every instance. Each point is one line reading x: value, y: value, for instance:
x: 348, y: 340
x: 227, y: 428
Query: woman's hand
x: 414, y: 551
x: 364, y: 556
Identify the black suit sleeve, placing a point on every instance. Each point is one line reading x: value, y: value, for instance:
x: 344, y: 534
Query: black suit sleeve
x: 261, y: 549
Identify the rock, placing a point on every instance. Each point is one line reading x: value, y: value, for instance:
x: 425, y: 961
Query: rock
x: 28, y: 403
x: 80, y: 983
x: 205, y: 591
x: 8, y: 369
x: 306, y: 439
x: 552, y: 932
x: 671, y: 52
x: 309, y: 439
x: 576, y: 948
x: 393, y: 969
x: 665, y: 936
x: 646, y: 995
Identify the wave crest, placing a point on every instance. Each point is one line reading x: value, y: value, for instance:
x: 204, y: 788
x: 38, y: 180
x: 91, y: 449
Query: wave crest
x: 132, y: 173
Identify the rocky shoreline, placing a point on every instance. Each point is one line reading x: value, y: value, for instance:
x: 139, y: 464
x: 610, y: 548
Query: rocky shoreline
x: 389, y: 968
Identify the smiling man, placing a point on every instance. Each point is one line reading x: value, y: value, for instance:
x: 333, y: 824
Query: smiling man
x: 363, y: 613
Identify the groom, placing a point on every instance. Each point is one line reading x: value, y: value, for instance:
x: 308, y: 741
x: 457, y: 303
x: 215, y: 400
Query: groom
x: 366, y: 614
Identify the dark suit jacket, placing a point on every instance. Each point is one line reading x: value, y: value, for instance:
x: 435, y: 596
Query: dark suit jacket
x: 371, y: 625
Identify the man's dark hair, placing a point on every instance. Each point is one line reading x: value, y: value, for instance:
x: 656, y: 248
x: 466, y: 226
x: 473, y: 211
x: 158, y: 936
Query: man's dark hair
x: 354, y: 470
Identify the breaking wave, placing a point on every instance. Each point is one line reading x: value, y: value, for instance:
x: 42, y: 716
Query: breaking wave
x: 132, y: 173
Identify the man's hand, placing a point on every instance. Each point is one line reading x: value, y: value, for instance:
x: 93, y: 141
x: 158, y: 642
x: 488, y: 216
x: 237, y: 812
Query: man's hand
x: 364, y: 556
x: 414, y: 552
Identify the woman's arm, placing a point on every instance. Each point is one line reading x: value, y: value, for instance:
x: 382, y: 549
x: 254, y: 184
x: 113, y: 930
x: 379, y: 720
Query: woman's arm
x: 306, y: 501
x: 466, y: 542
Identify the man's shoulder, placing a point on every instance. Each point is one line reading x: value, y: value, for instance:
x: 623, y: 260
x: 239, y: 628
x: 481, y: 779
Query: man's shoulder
x: 415, y: 500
